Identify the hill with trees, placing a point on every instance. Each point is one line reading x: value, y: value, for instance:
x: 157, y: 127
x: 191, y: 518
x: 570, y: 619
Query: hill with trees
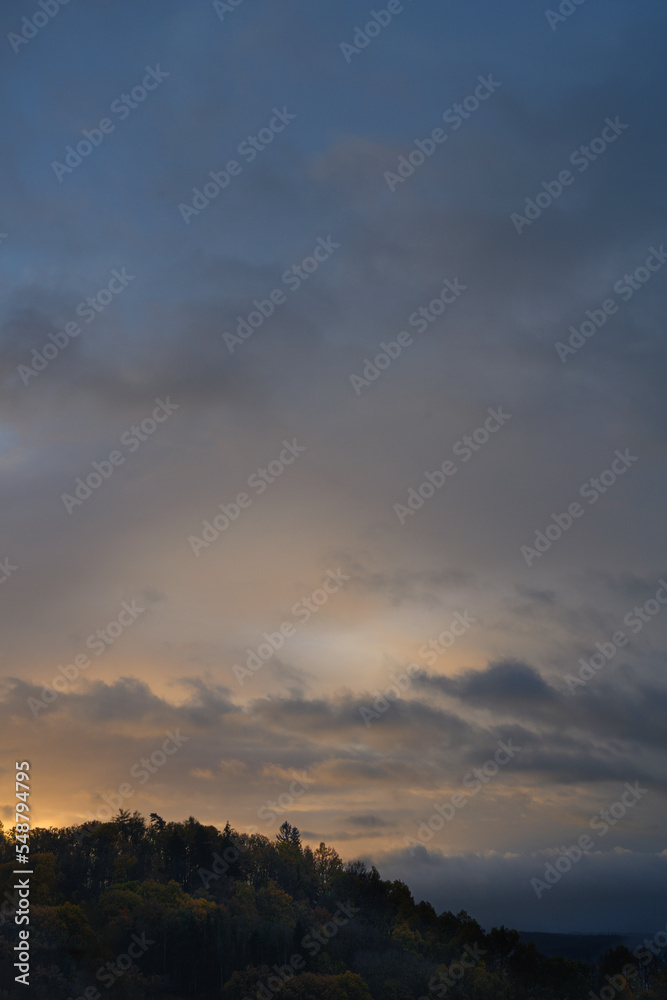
x: 153, y: 910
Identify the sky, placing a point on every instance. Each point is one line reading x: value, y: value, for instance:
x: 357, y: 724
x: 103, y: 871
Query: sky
x: 332, y: 435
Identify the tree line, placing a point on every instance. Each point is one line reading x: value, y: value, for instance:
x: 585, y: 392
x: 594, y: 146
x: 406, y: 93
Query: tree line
x: 139, y: 909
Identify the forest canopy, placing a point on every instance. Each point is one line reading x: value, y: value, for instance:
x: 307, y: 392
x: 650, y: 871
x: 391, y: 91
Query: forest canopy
x: 139, y: 909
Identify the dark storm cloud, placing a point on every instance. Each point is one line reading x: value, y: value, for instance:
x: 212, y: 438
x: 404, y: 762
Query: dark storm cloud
x: 412, y: 739
x: 496, y: 889
x: 624, y: 715
x: 127, y: 699
x: 403, y: 725
x: 516, y: 683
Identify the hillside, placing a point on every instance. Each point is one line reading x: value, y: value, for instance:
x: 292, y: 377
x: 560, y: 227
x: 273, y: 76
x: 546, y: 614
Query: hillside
x: 140, y: 909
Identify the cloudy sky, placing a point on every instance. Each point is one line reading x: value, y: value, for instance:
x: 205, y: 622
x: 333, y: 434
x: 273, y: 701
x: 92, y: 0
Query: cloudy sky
x: 277, y: 527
